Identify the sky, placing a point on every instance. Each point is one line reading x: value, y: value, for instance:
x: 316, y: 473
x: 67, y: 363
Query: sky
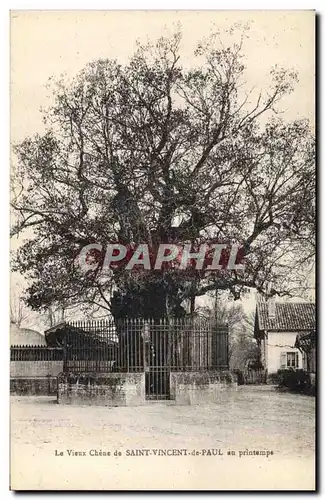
x: 46, y: 43
x: 52, y: 43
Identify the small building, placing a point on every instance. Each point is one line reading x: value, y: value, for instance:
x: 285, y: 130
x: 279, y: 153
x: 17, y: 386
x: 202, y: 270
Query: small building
x: 25, y: 337
x: 276, y: 335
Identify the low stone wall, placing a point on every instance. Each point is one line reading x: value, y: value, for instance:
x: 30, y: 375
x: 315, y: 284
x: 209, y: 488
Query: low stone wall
x: 35, y: 369
x: 190, y: 388
x: 110, y: 389
x: 34, y: 377
x: 38, y: 386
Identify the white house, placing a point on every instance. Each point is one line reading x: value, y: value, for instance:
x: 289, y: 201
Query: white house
x: 276, y: 334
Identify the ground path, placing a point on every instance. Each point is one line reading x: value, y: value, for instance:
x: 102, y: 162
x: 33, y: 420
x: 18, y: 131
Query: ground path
x: 251, y: 420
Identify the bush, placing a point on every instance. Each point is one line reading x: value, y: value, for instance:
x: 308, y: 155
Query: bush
x: 240, y: 377
x: 294, y: 380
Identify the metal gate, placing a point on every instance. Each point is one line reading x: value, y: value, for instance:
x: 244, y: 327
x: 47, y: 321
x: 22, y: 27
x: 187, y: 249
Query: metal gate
x: 181, y: 345
x: 157, y: 363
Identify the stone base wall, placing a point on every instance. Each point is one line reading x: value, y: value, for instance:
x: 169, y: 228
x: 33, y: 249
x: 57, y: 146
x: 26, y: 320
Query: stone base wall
x: 111, y: 389
x: 128, y: 389
x: 191, y: 388
x: 34, y: 386
x: 35, y: 369
x: 34, y: 377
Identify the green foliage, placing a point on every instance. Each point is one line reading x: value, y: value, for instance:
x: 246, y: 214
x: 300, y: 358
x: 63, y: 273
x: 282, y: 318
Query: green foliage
x: 294, y: 380
x: 152, y: 151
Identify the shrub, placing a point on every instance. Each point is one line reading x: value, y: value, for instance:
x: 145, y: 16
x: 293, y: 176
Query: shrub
x: 294, y: 380
x: 240, y: 377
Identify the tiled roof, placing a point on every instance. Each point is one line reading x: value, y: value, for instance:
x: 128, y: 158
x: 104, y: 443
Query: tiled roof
x: 289, y: 316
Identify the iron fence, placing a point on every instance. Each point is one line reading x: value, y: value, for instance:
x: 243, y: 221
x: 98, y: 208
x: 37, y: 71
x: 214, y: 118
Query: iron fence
x: 155, y: 348
x: 136, y: 345
x: 35, y: 353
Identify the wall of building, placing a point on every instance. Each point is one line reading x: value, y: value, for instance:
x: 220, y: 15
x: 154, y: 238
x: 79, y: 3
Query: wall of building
x: 112, y: 389
x: 191, y: 388
x: 263, y: 350
x: 277, y: 343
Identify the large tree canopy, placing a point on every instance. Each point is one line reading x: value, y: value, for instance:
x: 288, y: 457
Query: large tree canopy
x: 154, y: 151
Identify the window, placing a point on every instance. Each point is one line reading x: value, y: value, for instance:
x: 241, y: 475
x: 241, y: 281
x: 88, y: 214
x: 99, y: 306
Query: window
x: 292, y: 359
x: 289, y: 360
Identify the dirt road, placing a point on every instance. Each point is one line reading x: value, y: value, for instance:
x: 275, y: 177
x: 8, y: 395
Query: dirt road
x: 251, y: 438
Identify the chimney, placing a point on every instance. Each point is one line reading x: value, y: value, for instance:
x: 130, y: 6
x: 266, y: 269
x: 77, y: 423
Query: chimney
x: 271, y: 308
x: 270, y: 302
